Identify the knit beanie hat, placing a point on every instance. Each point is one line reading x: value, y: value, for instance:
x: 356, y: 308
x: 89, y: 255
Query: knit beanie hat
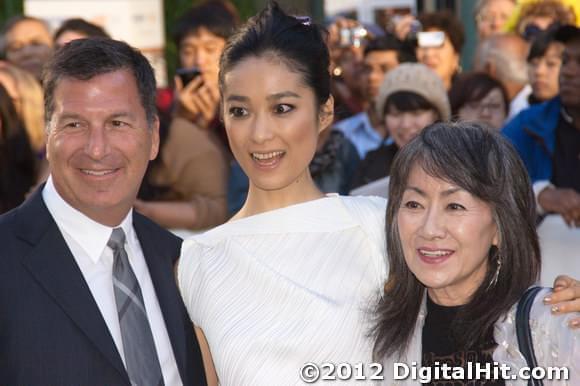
x: 416, y: 78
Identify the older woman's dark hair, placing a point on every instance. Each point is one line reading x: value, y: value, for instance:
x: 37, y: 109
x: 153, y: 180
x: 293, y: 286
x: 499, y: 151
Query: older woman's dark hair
x: 473, y: 87
x: 296, y: 41
x: 447, y: 22
x: 486, y: 165
x: 17, y: 161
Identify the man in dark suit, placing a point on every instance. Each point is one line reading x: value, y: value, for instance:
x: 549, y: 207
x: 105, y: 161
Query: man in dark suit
x: 87, y: 292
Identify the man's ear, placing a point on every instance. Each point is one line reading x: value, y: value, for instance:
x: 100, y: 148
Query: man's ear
x: 326, y: 115
x: 154, y: 139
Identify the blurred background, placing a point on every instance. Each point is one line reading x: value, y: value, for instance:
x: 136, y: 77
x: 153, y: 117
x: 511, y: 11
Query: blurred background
x: 147, y: 24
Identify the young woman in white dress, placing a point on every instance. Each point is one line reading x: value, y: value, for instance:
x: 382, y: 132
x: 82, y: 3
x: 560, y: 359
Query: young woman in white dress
x: 292, y: 277
x: 288, y: 280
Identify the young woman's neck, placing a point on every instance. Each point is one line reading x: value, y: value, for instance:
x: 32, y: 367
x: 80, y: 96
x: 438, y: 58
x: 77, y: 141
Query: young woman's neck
x: 260, y: 200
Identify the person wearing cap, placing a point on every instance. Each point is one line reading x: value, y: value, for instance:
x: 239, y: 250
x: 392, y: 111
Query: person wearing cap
x: 410, y: 98
x: 547, y: 137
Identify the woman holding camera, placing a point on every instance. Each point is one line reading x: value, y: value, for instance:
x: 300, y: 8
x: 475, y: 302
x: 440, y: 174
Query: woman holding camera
x: 439, y: 44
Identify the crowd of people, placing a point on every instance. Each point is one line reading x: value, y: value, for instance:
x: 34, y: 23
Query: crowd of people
x: 352, y: 195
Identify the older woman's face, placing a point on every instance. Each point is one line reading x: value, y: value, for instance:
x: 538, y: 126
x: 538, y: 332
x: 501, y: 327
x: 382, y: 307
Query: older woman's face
x: 446, y: 234
x: 444, y: 60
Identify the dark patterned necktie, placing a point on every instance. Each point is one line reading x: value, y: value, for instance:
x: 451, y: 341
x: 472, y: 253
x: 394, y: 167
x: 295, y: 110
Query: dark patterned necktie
x: 140, y: 353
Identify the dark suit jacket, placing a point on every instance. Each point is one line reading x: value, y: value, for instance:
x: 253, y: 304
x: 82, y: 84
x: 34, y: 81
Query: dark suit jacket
x: 51, y: 330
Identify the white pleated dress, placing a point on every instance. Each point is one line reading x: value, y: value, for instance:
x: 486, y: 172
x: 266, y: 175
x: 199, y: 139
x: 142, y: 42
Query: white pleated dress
x: 294, y: 285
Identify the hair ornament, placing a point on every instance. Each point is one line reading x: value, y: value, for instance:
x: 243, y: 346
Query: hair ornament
x: 305, y: 20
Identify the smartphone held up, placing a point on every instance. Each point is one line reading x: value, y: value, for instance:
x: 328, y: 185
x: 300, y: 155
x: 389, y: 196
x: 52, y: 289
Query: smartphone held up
x: 187, y: 74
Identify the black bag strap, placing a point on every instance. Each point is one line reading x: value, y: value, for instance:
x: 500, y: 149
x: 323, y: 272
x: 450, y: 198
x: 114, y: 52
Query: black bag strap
x: 524, y: 334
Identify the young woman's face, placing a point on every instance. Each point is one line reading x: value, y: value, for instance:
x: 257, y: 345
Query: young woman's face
x: 272, y: 121
x: 543, y: 72
x: 489, y: 110
x: 446, y: 234
x: 406, y: 125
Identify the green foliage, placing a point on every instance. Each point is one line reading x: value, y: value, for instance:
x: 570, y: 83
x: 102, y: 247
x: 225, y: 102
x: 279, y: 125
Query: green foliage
x: 9, y: 8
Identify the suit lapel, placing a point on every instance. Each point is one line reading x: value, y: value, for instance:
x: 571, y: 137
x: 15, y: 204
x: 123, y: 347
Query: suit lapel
x: 52, y: 264
x: 160, y: 269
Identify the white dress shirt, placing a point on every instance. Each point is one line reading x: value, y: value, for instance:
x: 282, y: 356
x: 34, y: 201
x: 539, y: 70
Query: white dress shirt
x: 519, y: 103
x: 87, y: 241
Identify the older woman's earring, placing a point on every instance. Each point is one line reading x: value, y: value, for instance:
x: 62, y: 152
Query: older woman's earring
x: 496, y: 274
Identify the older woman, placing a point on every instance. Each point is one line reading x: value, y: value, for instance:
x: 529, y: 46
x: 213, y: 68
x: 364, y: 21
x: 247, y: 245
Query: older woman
x: 462, y: 249
x: 440, y: 44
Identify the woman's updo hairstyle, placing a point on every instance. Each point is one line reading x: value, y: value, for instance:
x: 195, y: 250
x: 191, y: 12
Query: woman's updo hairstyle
x: 296, y: 41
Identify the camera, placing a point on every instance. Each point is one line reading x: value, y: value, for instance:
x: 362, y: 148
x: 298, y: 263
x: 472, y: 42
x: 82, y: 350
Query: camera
x: 431, y: 39
x: 352, y: 36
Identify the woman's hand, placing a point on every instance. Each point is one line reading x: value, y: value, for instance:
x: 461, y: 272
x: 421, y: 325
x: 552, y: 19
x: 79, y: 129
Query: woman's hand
x: 565, y: 298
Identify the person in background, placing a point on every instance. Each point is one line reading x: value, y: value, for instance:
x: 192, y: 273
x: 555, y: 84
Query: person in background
x: 200, y: 35
x: 547, y: 137
x: 439, y: 44
x: 491, y: 16
x: 544, y: 61
x: 411, y: 97
x: 346, y: 40
x: 77, y: 28
x: 538, y: 15
x: 462, y: 249
x: 26, y: 94
x: 186, y: 187
x: 366, y: 129
x: 334, y: 162
x: 27, y: 43
x: 504, y: 58
x: 478, y: 97
x: 17, y: 160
